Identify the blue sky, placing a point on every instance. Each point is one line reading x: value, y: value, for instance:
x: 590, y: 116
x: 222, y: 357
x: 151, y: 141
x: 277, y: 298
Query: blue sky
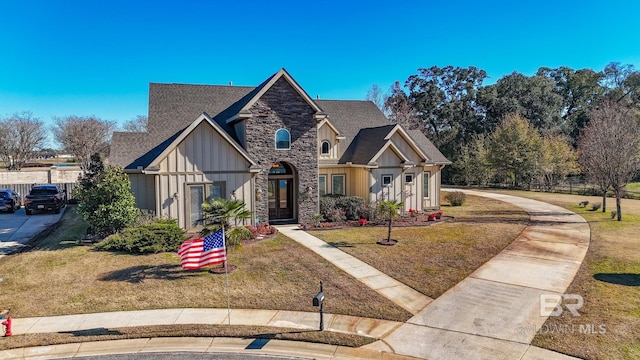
x: 60, y: 58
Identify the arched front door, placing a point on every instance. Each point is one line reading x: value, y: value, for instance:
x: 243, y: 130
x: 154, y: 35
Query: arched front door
x: 281, y: 193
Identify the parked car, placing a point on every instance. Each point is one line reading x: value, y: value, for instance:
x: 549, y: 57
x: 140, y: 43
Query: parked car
x: 10, y: 200
x: 45, y: 198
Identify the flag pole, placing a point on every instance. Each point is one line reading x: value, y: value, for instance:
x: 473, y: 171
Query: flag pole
x: 226, y: 275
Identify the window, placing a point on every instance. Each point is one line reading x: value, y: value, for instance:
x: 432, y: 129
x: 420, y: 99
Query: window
x: 283, y: 139
x: 386, y: 180
x: 324, y: 148
x: 426, y: 176
x: 337, y: 184
x: 408, y: 178
x: 322, y: 184
x: 198, y: 193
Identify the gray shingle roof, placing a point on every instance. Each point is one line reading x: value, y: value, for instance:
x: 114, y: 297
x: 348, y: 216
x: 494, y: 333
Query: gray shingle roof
x: 432, y: 152
x: 366, y: 145
x: 172, y: 107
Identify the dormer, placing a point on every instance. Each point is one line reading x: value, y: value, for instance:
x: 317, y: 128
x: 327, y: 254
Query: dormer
x: 328, y: 141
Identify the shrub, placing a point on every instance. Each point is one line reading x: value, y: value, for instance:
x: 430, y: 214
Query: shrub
x: 337, y: 215
x: 351, y: 205
x: 584, y: 203
x: 368, y: 211
x: 614, y: 213
x: 456, y: 198
x: 595, y: 206
x: 316, y: 219
x: 327, y: 203
x: 158, y: 235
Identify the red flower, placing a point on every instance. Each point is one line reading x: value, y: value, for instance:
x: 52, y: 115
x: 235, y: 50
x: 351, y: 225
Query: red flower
x: 362, y: 221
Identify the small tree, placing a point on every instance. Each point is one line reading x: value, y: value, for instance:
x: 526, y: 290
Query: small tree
x: 220, y: 213
x: 107, y: 205
x: 610, y: 149
x: 389, y: 210
x: 21, y: 136
x: 514, y: 149
x: 83, y: 136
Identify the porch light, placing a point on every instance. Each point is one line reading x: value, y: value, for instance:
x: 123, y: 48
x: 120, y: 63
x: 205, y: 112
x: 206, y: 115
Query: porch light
x: 258, y: 194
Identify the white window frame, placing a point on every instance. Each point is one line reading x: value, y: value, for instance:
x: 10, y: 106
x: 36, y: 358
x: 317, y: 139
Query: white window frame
x: 386, y: 176
x: 288, y: 139
x: 409, y: 178
x: 426, y: 179
x: 322, y: 152
x: 344, y: 183
x: 322, y: 185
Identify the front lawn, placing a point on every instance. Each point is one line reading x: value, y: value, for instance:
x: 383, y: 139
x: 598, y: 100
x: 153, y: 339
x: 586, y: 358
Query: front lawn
x: 434, y: 258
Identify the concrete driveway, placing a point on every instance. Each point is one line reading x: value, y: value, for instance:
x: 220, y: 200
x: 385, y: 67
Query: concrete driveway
x: 18, y: 229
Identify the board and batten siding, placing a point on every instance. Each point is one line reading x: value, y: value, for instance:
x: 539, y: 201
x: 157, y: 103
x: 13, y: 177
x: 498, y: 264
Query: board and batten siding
x: 144, y: 188
x: 326, y: 133
x: 433, y: 200
x: 203, y: 157
x: 356, y: 180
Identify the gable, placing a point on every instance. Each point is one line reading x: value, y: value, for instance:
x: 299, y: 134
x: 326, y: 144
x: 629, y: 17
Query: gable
x: 242, y: 109
x: 203, y: 150
x: 192, y: 147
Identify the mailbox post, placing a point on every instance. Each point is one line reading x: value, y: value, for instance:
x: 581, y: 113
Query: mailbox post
x: 318, y: 300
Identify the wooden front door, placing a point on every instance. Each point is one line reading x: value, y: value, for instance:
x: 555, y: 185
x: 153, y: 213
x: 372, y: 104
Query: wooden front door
x: 280, y: 199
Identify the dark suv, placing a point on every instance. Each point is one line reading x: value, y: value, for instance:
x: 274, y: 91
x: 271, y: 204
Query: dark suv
x: 10, y: 200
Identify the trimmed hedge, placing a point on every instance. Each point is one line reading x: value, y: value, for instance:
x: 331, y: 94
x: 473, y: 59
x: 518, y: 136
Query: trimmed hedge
x: 156, y: 236
x: 351, y: 207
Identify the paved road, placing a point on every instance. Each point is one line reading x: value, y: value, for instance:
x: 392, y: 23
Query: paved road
x: 187, y: 356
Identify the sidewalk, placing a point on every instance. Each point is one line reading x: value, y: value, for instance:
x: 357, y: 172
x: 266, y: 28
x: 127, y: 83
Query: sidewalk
x: 277, y: 318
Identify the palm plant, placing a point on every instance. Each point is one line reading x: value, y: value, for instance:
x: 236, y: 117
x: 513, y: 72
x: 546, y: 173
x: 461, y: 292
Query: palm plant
x: 389, y: 210
x: 219, y: 213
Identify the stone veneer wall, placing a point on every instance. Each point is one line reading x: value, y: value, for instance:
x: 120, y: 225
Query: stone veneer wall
x: 282, y: 107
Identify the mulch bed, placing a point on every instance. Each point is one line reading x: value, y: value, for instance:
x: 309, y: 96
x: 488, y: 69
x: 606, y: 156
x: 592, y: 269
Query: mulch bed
x: 402, y: 221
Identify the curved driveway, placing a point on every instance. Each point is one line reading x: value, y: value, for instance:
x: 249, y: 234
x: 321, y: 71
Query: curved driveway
x: 495, y: 312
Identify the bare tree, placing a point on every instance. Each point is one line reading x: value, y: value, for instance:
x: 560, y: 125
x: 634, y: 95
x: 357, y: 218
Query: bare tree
x: 83, y: 136
x: 22, y: 135
x: 610, y: 149
x: 399, y: 109
x: 376, y: 96
x: 137, y: 124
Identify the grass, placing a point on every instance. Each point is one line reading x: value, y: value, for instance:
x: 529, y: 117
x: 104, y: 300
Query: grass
x: 433, y: 259
x: 608, y: 281
x: 58, y: 276
x: 259, y: 332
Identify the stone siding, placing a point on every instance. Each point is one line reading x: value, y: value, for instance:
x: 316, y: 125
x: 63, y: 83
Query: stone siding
x: 282, y: 107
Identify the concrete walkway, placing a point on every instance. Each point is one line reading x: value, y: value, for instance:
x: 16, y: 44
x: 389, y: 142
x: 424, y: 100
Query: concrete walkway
x: 492, y: 314
x: 397, y: 292
x: 495, y: 312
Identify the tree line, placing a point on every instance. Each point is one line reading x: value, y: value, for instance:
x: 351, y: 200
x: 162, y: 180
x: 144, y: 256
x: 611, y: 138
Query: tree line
x: 525, y: 130
x: 24, y: 136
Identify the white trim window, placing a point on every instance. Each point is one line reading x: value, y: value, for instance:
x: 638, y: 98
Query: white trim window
x: 408, y: 178
x: 283, y: 139
x: 338, y: 184
x: 322, y: 184
x: 387, y: 180
x: 426, y: 177
x: 325, y: 147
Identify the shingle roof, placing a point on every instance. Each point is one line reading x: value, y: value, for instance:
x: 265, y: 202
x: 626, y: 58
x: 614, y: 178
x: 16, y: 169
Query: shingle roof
x: 366, y: 145
x: 432, y: 152
x: 350, y: 116
x: 172, y: 107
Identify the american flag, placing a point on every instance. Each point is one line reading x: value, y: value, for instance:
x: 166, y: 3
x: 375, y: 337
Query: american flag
x: 197, y: 253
